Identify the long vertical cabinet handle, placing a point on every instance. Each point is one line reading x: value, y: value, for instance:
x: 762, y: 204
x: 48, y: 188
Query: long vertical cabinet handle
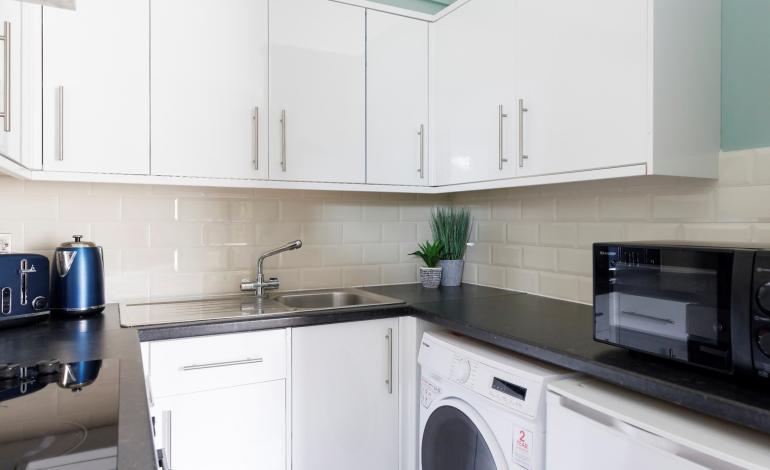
x: 6, y: 113
x: 421, y: 170
x: 283, y: 140
x: 500, y: 131
x: 60, y: 156
x: 389, y: 380
x: 167, y: 438
x: 255, y: 118
x: 522, y: 155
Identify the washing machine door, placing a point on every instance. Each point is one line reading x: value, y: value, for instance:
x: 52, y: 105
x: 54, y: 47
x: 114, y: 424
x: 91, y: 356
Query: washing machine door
x: 455, y: 437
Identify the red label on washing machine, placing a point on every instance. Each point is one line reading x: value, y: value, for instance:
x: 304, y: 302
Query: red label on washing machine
x: 522, y: 447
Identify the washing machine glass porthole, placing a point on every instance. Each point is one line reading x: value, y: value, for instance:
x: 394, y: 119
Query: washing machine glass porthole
x: 451, y: 441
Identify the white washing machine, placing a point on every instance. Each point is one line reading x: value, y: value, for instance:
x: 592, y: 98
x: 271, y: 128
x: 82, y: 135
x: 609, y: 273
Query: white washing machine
x: 482, y: 408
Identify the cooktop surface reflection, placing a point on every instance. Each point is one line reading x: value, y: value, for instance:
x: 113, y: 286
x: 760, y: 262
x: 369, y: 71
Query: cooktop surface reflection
x: 57, y: 415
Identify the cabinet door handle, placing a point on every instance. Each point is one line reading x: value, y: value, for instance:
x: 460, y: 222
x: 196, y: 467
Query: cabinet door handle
x: 500, y: 136
x: 61, y: 124
x: 6, y: 113
x: 255, y: 118
x: 389, y: 380
x: 212, y: 365
x: 421, y: 133
x: 283, y: 140
x: 166, y: 438
x: 522, y: 155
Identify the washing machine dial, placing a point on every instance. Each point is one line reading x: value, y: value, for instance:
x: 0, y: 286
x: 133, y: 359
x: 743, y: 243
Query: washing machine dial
x: 461, y: 371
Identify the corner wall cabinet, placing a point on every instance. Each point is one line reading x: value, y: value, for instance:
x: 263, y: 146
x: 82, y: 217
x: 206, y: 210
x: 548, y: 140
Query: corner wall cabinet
x: 320, y: 94
x: 396, y: 100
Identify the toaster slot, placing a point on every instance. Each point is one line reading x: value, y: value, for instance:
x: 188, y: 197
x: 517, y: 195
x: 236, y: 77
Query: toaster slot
x: 5, y: 305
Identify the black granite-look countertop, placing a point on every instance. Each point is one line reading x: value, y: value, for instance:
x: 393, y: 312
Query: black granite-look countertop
x: 551, y: 330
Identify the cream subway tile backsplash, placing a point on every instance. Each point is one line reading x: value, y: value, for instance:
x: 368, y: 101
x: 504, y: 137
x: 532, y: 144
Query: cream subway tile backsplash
x: 557, y: 224
x: 170, y: 241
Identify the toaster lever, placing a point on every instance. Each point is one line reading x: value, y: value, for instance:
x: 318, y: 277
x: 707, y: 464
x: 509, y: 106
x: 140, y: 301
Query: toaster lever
x: 25, y: 270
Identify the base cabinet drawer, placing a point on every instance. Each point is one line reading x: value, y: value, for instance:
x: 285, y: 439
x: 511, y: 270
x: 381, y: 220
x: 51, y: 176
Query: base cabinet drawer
x: 212, y: 362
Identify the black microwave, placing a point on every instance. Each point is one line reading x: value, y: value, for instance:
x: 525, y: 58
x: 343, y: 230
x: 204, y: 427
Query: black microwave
x: 698, y: 303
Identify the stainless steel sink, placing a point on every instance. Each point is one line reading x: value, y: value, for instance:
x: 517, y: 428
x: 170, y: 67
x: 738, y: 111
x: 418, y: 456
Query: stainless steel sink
x: 328, y: 299
x: 163, y: 311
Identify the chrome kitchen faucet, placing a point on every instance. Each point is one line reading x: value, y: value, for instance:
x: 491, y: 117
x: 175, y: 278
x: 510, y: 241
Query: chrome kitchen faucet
x: 260, y: 285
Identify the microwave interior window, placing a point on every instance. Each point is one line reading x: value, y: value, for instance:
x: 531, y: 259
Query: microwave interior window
x: 673, y: 303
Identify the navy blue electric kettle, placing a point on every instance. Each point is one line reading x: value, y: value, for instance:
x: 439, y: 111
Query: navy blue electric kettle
x: 77, y: 278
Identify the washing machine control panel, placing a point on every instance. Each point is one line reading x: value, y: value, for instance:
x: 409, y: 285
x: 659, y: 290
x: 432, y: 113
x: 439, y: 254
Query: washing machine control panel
x: 502, y: 387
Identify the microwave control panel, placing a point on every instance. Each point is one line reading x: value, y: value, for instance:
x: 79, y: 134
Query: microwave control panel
x: 760, y: 314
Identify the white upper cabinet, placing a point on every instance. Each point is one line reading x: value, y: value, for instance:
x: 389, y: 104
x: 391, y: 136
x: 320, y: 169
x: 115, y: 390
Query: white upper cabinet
x: 317, y: 91
x: 209, y: 88
x: 595, y: 78
x: 96, y: 100
x: 396, y: 99
x: 582, y: 78
x: 473, y: 92
x: 10, y: 79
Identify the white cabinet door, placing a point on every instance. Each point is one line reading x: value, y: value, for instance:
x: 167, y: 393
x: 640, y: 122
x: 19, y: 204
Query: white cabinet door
x: 396, y: 99
x: 344, y: 413
x: 96, y: 97
x: 10, y: 92
x: 317, y: 91
x: 472, y: 77
x: 234, y: 428
x: 583, y: 75
x: 209, y: 88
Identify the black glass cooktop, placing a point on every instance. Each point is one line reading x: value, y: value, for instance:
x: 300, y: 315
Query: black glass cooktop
x: 57, y: 415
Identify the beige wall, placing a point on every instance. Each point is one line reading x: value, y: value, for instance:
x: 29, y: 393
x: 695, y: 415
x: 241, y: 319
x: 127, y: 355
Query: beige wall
x: 538, y: 239
x: 185, y: 241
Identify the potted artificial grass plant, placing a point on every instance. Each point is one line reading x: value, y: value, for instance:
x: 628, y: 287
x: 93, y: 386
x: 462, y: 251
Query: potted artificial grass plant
x: 452, y: 228
x: 430, y: 274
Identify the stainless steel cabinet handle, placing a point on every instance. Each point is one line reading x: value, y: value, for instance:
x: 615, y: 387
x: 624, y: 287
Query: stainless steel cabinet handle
x: 389, y: 380
x: 283, y: 140
x: 421, y: 170
x: 500, y: 116
x: 221, y: 364
x: 61, y: 123
x: 166, y: 437
x: 255, y: 118
x: 522, y: 155
x: 6, y: 113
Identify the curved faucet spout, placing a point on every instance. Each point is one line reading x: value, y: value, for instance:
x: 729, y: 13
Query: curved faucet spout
x: 261, y: 285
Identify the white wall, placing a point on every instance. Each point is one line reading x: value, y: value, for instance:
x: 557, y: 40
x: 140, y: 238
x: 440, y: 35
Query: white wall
x: 190, y: 240
x: 538, y: 239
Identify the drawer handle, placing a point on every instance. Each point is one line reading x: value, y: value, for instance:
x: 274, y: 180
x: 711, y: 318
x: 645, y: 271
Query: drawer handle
x: 222, y: 364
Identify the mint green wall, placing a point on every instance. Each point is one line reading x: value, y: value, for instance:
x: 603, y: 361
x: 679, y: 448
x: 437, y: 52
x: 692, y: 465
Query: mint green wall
x: 423, y: 6
x: 745, y: 74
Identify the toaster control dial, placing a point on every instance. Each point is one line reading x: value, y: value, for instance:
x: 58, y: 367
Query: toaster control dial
x: 763, y: 341
x: 40, y: 303
x: 763, y: 297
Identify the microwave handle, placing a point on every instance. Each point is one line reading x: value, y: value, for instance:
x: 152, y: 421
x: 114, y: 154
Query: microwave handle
x: 638, y: 434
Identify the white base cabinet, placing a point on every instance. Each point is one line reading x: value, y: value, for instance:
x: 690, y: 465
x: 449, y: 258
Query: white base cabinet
x: 345, y: 399
x: 221, y: 401
x: 233, y: 428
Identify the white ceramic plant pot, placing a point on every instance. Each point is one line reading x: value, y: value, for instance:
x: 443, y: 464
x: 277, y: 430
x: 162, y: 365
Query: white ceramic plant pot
x: 430, y: 277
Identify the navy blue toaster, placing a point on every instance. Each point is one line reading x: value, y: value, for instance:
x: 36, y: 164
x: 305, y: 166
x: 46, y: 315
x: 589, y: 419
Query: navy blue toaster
x: 24, y: 288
